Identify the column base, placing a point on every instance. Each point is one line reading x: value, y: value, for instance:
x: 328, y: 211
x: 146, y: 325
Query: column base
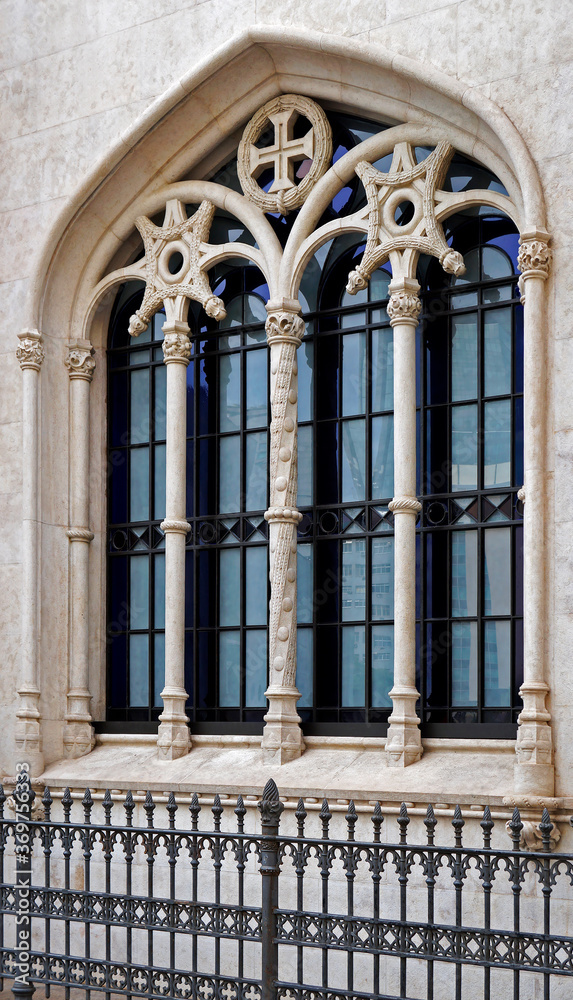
x: 28, y: 731
x: 78, y: 738
x: 173, y: 736
x: 534, y: 771
x: 404, y: 740
x: 282, y: 736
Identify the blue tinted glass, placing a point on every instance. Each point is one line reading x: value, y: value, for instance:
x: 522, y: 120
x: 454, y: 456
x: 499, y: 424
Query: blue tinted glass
x: 159, y: 413
x: 157, y: 325
x: 382, y: 665
x: 229, y: 474
x: 139, y: 403
x: 379, y: 283
x: 464, y: 356
x: 304, y: 668
x: 304, y: 590
x: 464, y: 663
x: 497, y: 352
x: 230, y: 587
x: 464, y: 574
x: 382, y: 578
x: 118, y: 433
x: 257, y: 394
x: 305, y: 465
x: 497, y: 443
x: 256, y: 590
x: 495, y: 264
x: 159, y: 590
x: 353, y: 672
x: 139, y: 592
x: 256, y: 471
x: 255, y: 667
x: 382, y: 369
x: 229, y: 669
x: 230, y: 392
x: 234, y: 310
x: 353, y: 460
x: 464, y: 447
x: 190, y: 400
x: 138, y: 670
x: 471, y: 261
x: 353, y: 580
x: 159, y: 666
x: 353, y: 374
x: 254, y: 310
x: 118, y: 486
x: 518, y: 441
x: 382, y: 457
x: 159, y: 483
x: 497, y: 571
x: 497, y: 663
x: 139, y: 484
x: 305, y: 380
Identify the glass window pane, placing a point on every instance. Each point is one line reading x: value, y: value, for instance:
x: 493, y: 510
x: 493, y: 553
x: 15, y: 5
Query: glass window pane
x: 304, y: 590
x: 160, y: 409
x: 464, y: 447
x: 159, y: 482
x: 353, y: 374
x: 497, y: 571
x: 497, y: 663
x: 158, y: 667
x: 382, y: 369
x: 139, y: 484
x: 229, y: 474
x: 382, y: 457
x: 139, y: 592
x: 230, y: 392
x: 464, y: 356
x: 305, y: 357
x: 138, y: 670
x: 353, y: 460
x: 495, y: 264
x: 497, y: 443
x: 353, y: 580
x: 471, y: 260
x: 254, y: 309
x: 353, y: 674
x: 305, y: 466
x: 464, y: 663
x: 229, y: 669
x: 464, y: 574
x: 139, y: 406
x: 256, y: 588
x: 379, y: 283
x: 257, y: 394
x: 230, y: 587
x: 304, y: 667
x: 159, y: 591
x: 382, y: 578
x: 349, y: 321
x: 256, y: 471
x: 497, y: 352
x: 382, y: 665
x: 255, y: 667
x: 234, y: 310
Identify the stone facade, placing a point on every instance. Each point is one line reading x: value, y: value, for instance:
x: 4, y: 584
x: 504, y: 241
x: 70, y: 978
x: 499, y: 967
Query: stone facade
x: 104, y: 114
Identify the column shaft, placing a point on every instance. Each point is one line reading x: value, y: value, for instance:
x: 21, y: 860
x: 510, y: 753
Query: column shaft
x: 173, y: 737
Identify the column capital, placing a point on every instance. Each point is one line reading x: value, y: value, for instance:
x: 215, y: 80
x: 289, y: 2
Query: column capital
x: 80, y: 360
x: 534, y: 257
x: 404, y: 306
x: 30, y: 352
x: 284, y: 326
x: 176, y: 343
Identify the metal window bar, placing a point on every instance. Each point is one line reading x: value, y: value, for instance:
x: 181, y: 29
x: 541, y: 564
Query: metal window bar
x: 400, y: 930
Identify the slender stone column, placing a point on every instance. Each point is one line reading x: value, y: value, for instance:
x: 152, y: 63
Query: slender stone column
x: 173, y: 739
x: 79, y: 736
x: 534, y: 771
x: 282, y: 737
x: 28, y: 736
x: 404, y: 745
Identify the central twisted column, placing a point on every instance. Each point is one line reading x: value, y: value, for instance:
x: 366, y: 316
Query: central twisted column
x: 404, y: 744
x: 282, y: 736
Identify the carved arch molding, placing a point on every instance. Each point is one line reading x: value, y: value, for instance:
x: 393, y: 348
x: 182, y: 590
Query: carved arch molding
x: 406, y: 180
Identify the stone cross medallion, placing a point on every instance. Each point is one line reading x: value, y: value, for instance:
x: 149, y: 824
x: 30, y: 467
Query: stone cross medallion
x: 285, y: 153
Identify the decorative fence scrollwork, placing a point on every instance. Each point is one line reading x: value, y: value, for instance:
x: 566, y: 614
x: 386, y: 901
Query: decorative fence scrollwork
x: 197, y: 912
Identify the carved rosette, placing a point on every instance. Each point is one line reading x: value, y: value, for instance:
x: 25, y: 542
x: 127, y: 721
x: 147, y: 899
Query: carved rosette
x: 534, y: 258
x: 176, y: 347
x: 284, y: 333
x: 404, y: 307
x: 30, y: 352
x: 80, y: 362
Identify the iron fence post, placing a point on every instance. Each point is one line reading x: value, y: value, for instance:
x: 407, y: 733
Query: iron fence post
x: 270, y: 808
x: 24, y: 796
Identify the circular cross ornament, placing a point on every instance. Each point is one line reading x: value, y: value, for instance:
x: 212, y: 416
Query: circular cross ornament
x: 285, y: 153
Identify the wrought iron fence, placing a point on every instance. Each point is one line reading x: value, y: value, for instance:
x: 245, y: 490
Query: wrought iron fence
x: 183, y: 911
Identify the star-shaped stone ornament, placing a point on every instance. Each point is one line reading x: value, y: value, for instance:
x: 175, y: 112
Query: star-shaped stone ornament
x: 173, y: 256
x: 401, y: 213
